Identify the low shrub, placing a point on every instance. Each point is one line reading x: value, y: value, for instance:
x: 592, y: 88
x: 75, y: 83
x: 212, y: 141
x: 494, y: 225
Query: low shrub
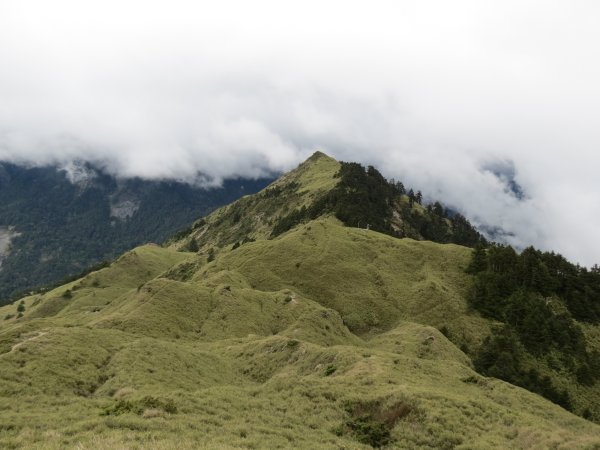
x: 330, y: 370
x: 139, y: 406
x: 371, y: 422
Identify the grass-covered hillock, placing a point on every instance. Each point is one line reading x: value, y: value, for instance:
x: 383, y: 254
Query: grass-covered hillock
x: 373, y: 280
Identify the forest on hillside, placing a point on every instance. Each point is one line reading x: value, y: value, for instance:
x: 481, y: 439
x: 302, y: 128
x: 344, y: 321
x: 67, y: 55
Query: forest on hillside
x: 540, y: 301
x: 66, y: 227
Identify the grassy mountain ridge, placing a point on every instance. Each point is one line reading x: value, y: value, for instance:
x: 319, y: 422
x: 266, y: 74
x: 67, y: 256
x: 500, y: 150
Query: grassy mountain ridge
x: 324, y: 336
x: 253, y: 216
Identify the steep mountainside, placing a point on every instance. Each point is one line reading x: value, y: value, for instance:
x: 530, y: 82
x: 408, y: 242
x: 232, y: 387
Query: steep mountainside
x: 323, y: 335
x: 55, y: 223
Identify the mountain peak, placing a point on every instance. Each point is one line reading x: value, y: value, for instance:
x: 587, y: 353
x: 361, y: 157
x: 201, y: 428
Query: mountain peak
x: 317, y: 173
x: 319, y: 155
x: 323, y: 186
x: 318, y: 161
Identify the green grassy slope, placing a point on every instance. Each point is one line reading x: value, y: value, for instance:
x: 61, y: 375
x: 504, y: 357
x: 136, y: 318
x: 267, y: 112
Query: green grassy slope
x: 373, y: 280
x: 277, y: 344
x: 324, y: 337
x: 253, y: 216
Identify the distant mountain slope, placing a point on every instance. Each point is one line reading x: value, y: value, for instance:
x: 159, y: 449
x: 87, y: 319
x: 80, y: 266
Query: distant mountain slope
x: 56, y: 223
x: 320, y: 336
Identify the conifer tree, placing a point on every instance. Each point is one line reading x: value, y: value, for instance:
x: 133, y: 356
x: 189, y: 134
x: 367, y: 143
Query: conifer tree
x: 411, y: 198
x: 479, y: 260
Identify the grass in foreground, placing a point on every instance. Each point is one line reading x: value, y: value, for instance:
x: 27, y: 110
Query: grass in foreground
x: 326, y: 337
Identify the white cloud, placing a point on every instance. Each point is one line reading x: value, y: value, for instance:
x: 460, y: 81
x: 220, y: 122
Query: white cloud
x: 432, y: 92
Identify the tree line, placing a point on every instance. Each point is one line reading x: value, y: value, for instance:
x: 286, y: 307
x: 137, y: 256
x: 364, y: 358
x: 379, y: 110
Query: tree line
x: 539, y: 299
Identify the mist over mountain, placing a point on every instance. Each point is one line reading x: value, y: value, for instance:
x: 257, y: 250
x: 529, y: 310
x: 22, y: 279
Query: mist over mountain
x: 430, y: 92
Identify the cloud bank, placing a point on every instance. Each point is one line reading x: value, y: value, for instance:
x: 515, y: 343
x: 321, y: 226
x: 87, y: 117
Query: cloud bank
x: 464, y: 100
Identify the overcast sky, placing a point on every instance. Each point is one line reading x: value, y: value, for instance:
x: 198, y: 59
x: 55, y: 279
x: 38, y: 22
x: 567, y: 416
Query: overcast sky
x: 444, y: 95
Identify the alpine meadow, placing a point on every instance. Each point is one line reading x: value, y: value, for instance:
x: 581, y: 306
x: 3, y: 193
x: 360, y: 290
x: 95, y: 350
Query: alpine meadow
x: 334, y: 309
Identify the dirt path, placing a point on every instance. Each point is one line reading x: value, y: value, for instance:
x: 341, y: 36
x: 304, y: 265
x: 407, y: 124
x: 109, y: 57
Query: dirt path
x: 29, y: 339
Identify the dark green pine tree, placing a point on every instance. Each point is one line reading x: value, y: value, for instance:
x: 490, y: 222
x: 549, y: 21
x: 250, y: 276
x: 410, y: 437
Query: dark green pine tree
x: 479, y: 260
x: 419, y: 197
x: 193, y: 245
x: 438, y: 209
x: 400, y: 188
x: 411, y: 198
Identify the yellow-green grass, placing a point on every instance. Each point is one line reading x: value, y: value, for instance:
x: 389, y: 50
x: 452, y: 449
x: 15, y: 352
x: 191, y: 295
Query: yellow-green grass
x: 267, y: 346
x: 264, y: 392
x: 371, y: 279
x: 315, y: 176
x: 85, y: 298
x: 253, y: 216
